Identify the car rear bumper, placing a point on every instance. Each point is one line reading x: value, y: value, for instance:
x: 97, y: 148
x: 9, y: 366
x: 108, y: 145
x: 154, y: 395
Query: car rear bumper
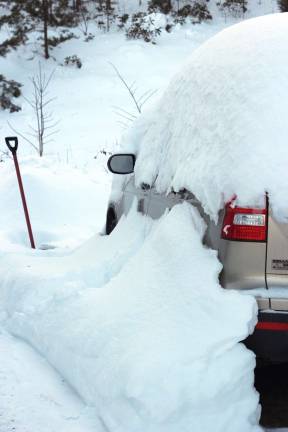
x: 273, y: 304
x: 270, y: 338
x: 272, y: 299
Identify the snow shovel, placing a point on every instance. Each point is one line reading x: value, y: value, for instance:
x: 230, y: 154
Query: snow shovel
x: 12, y: 144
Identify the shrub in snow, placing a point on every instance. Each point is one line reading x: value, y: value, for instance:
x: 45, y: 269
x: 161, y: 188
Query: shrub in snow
x: 62, y: 14
x: 89, y: 37
x: 63, y: 37
x: 283, y: 5
x: 122, y: 20
x: 235, y: 8
x: 100, y: 23
x: 197, y: 12
x: 106, y: 14
x: 19, y: 37
x: 9, y: 89
x: 143, y: 27
x: 73, y: 60
x: 163, y: 6
x: 168, y: 27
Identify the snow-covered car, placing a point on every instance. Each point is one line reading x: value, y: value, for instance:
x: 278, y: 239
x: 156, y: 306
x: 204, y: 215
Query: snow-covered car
x: 218, y: 139
x: 252, y: 247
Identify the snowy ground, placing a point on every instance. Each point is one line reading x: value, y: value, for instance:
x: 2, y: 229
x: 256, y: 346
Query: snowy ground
x: 115, y: 318
x: 67, y: 194
x: 33, y: 397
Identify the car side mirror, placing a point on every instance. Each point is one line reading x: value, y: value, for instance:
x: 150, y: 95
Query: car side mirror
x: 121, y: 163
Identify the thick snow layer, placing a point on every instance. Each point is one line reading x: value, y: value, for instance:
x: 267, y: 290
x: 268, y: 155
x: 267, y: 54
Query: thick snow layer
x: 66, y: 205
x: 221, y: 127
x: 155, y: 346
x: 38, y: 401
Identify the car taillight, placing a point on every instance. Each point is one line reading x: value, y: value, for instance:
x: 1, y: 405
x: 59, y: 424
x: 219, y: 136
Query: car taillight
x: 244, y: 224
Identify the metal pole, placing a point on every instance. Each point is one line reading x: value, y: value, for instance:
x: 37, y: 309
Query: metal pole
x: 13, y: 150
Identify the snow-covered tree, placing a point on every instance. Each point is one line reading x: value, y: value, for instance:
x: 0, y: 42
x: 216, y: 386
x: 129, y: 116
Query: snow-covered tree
x: 23, y: 16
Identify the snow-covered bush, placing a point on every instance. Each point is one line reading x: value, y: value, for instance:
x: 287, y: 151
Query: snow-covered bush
x: 235, y: 8
x: 197, y: 12
x: 283, y: 5
x: 163, y: 6
x: 63, y: 15
x: 143, y: 27
x: 89, y: 37
x: 106, y: 14
x: 19, y: 37
x: 122, y: 20
x: 63, y: 37
x: 9, y: 89
x: 73, y: 60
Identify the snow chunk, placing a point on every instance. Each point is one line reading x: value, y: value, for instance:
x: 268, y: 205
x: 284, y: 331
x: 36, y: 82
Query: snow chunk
x: 156, y: 347
x: 221, y: 127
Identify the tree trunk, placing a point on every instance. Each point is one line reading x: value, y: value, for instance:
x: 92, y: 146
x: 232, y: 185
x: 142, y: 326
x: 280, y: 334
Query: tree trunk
x: 45, y: 27
x: 108, y: 7
x: 50, y: 11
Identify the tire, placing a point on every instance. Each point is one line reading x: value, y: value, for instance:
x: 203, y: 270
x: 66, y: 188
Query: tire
x: 111, y: 220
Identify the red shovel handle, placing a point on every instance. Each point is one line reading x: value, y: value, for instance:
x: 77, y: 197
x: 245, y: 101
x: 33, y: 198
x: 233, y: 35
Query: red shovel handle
x: 12, y: 144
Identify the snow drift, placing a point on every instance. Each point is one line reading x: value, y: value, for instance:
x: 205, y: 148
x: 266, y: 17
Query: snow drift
x: 66, y: 205
x: 221, y: 127
x: 137, y: 323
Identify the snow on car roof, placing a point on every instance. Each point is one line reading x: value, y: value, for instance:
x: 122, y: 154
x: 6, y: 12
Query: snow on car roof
x: 221, y: 126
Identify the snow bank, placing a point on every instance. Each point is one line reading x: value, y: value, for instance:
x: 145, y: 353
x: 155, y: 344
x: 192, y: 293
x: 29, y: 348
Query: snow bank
x: 66, y: 205
x: 155, y: 347
x: 38, y: 401
x: 221, y: 127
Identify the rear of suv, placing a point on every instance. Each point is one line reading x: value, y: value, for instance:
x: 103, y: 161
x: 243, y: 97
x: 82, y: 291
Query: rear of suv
x: 251, y: 244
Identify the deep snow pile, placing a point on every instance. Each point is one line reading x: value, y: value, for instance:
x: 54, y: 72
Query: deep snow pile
x: 66, y: 205
x: 144, y: 337
x: 221, y: 127
x: 28, y: 400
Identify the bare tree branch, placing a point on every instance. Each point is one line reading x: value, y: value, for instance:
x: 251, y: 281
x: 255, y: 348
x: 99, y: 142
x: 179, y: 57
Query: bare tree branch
x: 131, y: 92
x: 22, y: 136
x: 139, y: 102
x: 39, y: 103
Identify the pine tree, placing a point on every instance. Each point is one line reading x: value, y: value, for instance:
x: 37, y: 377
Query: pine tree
x: 283, y: 5
x: 24, y: 16
x: 164, y: 6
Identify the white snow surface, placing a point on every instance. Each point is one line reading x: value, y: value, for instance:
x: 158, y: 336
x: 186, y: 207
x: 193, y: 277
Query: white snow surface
x: 150, y: 343
x: 221, y: 126
x: 33, y: 397
x: 66, y: 205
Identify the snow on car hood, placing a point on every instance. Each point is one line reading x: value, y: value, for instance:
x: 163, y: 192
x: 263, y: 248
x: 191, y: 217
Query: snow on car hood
x: 221, y: 126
